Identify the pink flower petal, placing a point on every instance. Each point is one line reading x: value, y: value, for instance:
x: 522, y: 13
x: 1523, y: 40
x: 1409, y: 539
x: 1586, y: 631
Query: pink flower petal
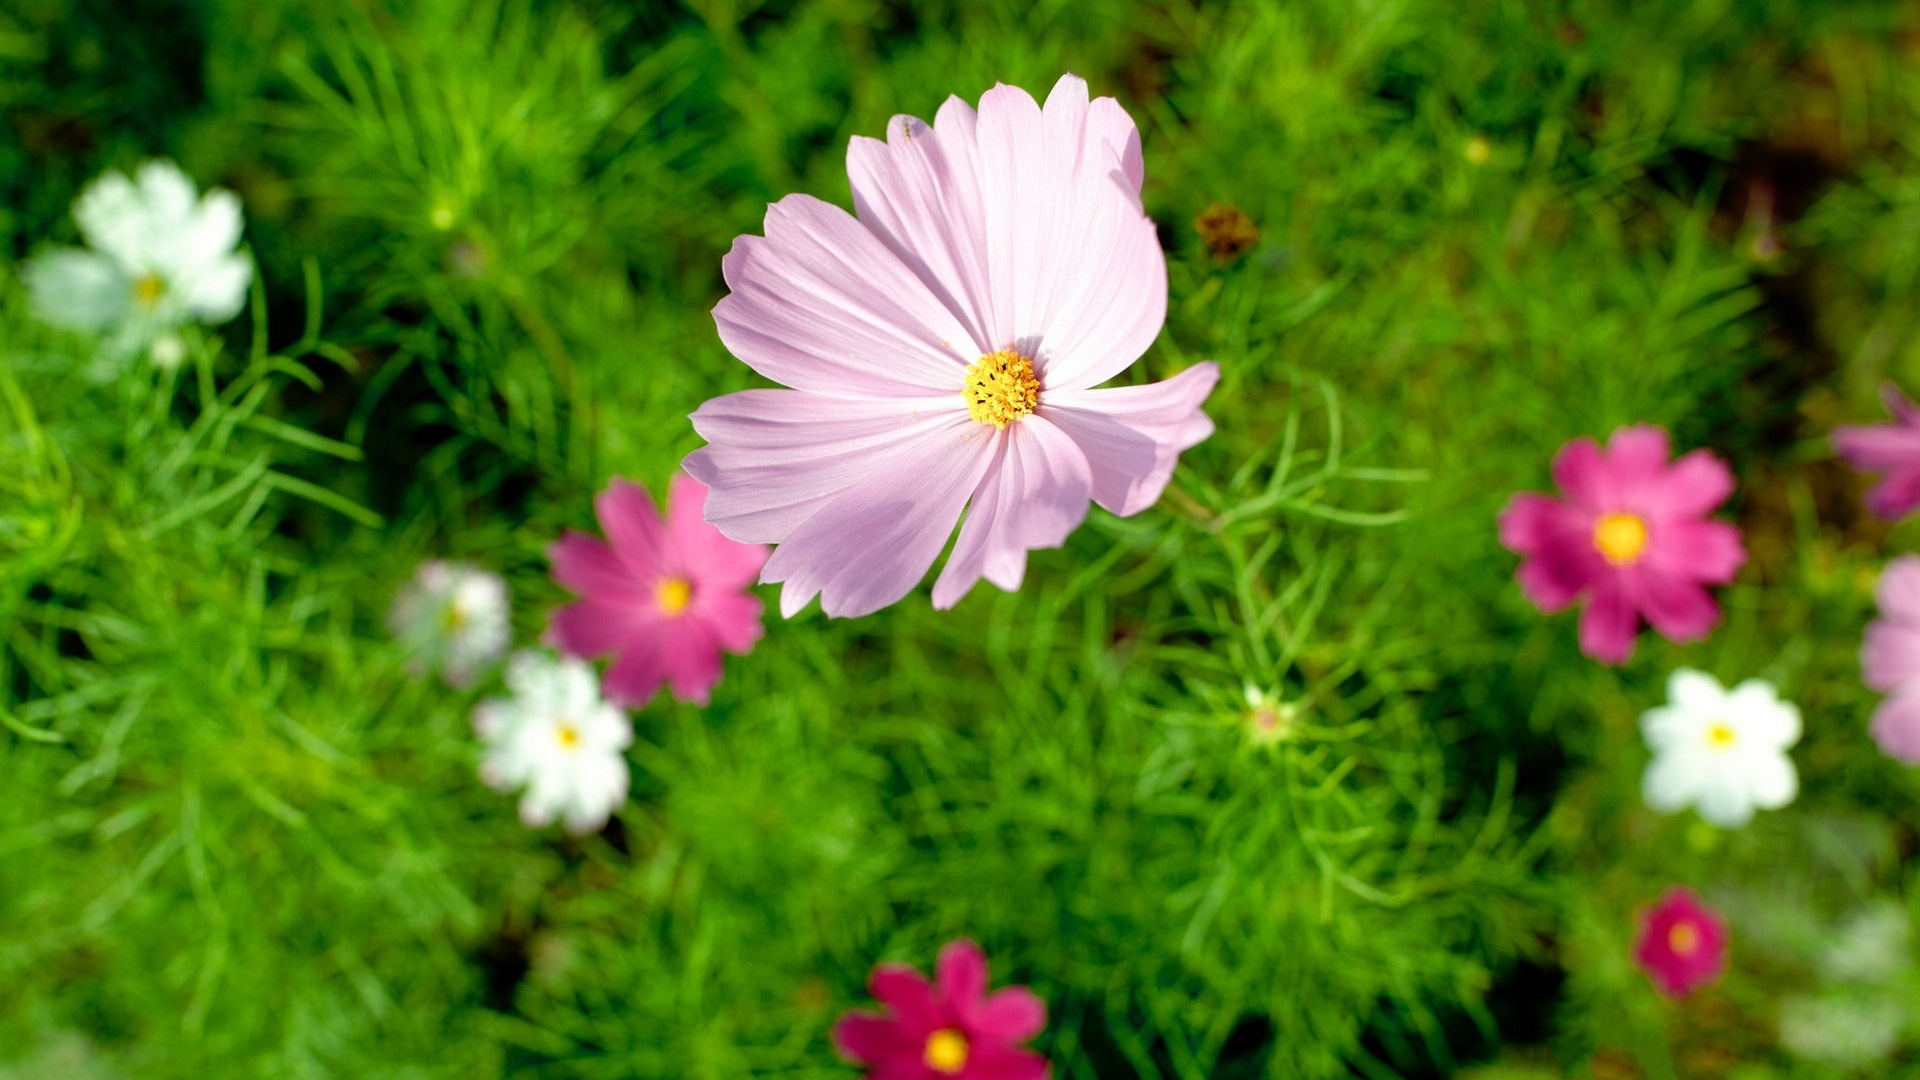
x: 1896, y: 726
x: 777, y: 456
x: 1878, y: 447
x: 821, y: 304
x: 1535, y: 524
x: 1609, y: 624
x: 692, y: 659
x: 733, y: 619
x: 1013, y: 1015
x: 962, y: 975
x: 1898, y: 591
x: 589, y: 567
x: 1692, y: 487
x: 1890, y: 655
x: 1637, y: 461
x: 1704, y: 551
x: 1676, y: 607
x: 1580, y: 470
x: 871, y: 1039
x: 627, y: 516
x: 1034, y: 495
x: 593, y: 628
x: 637, y: 673
x: 992, y: 1062
x: 1132, y: 436
x: 870, y: 545
x: 1552, y: 584
x: 909, y: 996
x: 701, y: 552
x: 1896, y: 496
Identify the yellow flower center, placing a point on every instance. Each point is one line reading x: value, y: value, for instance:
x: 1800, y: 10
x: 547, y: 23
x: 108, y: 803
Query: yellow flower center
x: 1720, y: 736
x: 148, y: 290
x: 946, y: 1051
x: 455, y: 619
x: 1001, y: 388
x: 1683, y: 938
x: 1620, y: 537
x: 673, y: 595
x: 567, y: 735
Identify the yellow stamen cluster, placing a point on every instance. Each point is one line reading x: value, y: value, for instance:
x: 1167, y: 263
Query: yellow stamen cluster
x: 1720, y: 736
x: 946, y: 1051
x: 568, y: 736
x: 148, y: 290
x: 1620, y: 537
x: 1683, y: 938
x: 1001, y: 388
x: 673, y: 595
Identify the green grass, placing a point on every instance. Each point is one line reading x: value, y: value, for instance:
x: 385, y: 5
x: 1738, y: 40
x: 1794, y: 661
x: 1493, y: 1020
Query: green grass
x: 237, y: 839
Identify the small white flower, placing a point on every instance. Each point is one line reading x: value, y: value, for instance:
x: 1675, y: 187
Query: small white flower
x: 452, y: 619
x: 1722, y: 752
x: 159, y: 256
x: 557, y: 739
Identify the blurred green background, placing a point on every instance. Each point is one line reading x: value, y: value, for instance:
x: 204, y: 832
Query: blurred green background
x: 1427, y: 242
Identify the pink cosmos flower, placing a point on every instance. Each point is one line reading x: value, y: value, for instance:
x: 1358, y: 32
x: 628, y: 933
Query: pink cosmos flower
x: 1682, y: 945
x: 1893, y: 449
x: 1890, y: 660
x: 664, y: 599
x: 950, y: 1030
x: 1632, y: 536
x: 942, y: 351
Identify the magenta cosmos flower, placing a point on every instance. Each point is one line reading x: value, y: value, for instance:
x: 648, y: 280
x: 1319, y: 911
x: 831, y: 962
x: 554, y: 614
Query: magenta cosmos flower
x: 942, y: 350
x: 1893, y: 449
x: 1890, y: 660
x: 949, y: 1029
x: 1632, y: 536
x: 663, y: 599
x: 1683, y: 943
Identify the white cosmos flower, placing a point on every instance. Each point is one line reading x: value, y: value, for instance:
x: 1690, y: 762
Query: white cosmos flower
x: 1721, y: 751
x: 452, y: 619
x: 158, y: 256
x: 558, y: 740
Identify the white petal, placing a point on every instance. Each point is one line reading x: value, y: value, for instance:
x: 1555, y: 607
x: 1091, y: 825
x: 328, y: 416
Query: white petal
x: 217, y: 291
x: 1695, y: 691
x: 1671, y: 782
x: 1772, y: 780
x: 1670, y: 727
x: 1726, y: 801
x: 78, y: 290
x: 1764, y: 719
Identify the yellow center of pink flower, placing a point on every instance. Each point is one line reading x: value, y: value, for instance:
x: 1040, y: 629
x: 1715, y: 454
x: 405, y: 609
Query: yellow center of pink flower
x: 1683, y: 938
x: 946, y: 1051
x: 1620, y: 537
x: 148, y: 290
x: 567, y: 735
x: 673, y: 595
x: 1001, y: 388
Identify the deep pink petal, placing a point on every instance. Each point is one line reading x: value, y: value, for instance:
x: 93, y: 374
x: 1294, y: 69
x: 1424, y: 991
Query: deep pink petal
x: 1705, y: 551
x: 909, y: 996
x: 1034, y: 494
x: 638, y: 536
x: 1535, y: 524
x: 778, y: 456
x: 713, y: 563
x: 1896, y: 726
x: 1890, y: 655
x: 1692, y: 487
x: 1132, y: 436
x: 820, y: 304
x: 595, y: 628
x: 1878, y: 447
x: 870, y: 545
x: 1552, y: 584
x: 990, y: 1062
x: 1896, y: 496
x: 1676, y: 973
x: 1609, y: 623
x: 1636, y: 461
x: 1898, y: 590
x: 637, y: 673
x: 1013, y: 1015
x: 691, y: 658
x: 589, y: 567
x: 873, y: 1040
x: 732, y: 619
x: 1580, y: 470
x: 1675, y: 606
x: 962, y: 975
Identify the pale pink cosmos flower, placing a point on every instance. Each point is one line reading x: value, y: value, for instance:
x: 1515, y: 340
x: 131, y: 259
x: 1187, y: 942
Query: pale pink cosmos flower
x: 1890, y: 660
x: 1682, y: 944
x: 1632, y: 536
x: 942, y: 351
x: 663, y: 599
x: 949, y: 1028
x: 1891, y: 448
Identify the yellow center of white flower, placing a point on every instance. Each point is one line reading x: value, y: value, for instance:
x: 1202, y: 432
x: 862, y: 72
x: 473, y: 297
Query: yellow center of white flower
x: 456, y: 618
x: 673, y: 595
x: 1720, y: 736
x: 1620, y: 537
x: 1683, y: 938
x: 566, y: 735
x: 946, y: 1051
x: 148, y: 290
x: 1001, y: 388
